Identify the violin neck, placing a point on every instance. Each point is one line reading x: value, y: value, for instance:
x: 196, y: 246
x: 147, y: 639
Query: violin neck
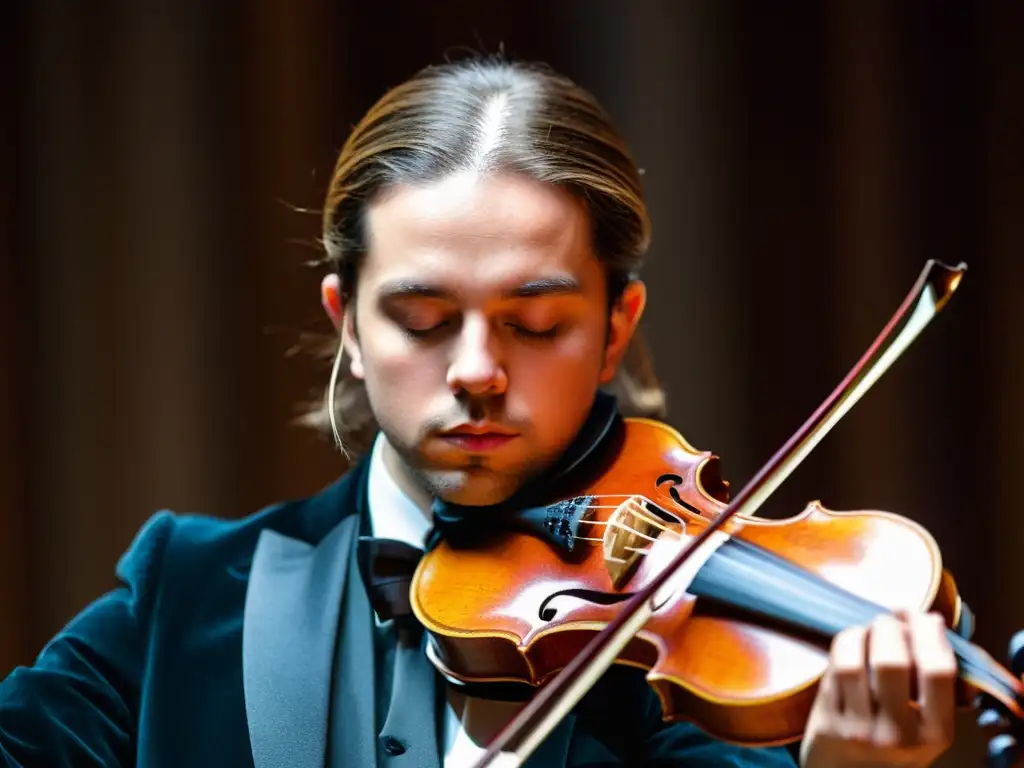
x: 745, y: 577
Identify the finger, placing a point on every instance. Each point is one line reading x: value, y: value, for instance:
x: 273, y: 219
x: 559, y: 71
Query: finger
x: 848, y: 664
x: 889, y: 659
x: 828, y: 697
x: 936, y: 667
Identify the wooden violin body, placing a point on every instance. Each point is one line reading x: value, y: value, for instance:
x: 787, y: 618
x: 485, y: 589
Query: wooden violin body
x: 737, y: 642
x: 642, y: 560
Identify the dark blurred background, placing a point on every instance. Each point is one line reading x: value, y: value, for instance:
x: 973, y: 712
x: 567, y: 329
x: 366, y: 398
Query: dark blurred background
x: 803, y: 161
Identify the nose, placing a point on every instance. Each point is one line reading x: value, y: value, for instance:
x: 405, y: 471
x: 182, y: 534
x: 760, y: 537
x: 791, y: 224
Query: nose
x: 476, y: 367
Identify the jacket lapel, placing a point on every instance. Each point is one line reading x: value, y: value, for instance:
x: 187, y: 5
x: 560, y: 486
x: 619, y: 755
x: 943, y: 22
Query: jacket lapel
x: 293, y: 605
x: 412, y: 717
x: 288, y: 639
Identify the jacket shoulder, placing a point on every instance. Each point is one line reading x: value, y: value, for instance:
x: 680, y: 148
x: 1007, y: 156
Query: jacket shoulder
x: 172, y: 542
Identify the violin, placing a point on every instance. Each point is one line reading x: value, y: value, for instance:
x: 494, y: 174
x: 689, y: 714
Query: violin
x: 647, y: 562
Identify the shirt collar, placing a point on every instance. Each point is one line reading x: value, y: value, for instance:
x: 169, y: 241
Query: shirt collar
x: 393, y: 514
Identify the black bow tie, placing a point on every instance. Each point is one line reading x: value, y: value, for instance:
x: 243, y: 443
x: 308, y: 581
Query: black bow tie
x: 387, y: 567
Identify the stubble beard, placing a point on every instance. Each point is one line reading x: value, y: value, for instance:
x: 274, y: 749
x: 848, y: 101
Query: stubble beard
x: 475, y: 484
x: 471, y: 485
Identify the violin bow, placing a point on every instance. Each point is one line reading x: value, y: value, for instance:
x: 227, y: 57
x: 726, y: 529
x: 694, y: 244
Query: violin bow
x: 525, y: 732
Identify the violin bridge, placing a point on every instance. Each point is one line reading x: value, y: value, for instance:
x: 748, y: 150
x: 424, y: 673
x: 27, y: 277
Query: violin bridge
x: 629, y: 532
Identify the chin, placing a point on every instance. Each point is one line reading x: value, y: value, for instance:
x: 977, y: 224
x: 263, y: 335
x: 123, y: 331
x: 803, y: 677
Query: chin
x: 470, y: 488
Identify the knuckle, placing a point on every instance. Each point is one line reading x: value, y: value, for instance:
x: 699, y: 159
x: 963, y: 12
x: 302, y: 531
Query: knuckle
x: 845, y: 666
x: 930, y: 627
x: 888, y: 621
x: 848, y: 642
x: 891, y: 664
x: 856, y: 730
x: 886, y: 735
x: 847, y: 648
x: 848, y: 636
x: 939, y: 668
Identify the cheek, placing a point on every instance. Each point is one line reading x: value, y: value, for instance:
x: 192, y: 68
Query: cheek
x: 396, y: 364
x: 564, y: 372
x: 401, y: 384
x: 395, y: 371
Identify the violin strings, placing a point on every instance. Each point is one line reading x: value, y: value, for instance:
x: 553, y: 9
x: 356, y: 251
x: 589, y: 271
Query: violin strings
x: 638, y: 510
x: 643, y: 502
x: 622, y: 526
x: 652, y: 520
x: 639, y: 550
x: 979, y: 668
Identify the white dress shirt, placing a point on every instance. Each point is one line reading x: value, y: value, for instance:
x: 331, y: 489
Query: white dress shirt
x: 393, y: 515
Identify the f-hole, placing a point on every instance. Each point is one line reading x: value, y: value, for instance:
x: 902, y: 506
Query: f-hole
x: 674, y: 481
x: 547, y: 612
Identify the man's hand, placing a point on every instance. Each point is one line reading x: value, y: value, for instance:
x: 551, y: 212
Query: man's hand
x: 864, y: 714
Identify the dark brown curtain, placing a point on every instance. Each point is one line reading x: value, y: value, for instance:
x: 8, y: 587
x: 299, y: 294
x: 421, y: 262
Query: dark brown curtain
x: 162, y: 167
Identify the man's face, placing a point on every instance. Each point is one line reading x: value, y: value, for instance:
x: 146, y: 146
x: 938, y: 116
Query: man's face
x: 481, y: 331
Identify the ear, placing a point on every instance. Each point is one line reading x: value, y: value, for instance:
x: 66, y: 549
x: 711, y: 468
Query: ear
x: 625, y: 316
x: 342, y: 317
x: 330, y: 299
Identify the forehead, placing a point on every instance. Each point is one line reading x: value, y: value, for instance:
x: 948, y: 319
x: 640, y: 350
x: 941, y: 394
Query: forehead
x: 477, y: 234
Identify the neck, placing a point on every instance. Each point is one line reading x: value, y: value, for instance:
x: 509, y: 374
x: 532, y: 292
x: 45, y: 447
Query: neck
x: 404, y: 477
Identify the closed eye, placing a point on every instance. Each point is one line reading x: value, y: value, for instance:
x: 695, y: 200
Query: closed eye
x: 530, y: 333
x: 519, y: 330
x: 423, y: 333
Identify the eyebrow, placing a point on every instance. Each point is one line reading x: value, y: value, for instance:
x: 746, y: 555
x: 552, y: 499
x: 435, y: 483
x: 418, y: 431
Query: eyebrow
x: 544, y: 286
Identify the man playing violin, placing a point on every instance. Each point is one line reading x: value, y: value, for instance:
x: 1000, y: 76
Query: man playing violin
x: 484, y: 227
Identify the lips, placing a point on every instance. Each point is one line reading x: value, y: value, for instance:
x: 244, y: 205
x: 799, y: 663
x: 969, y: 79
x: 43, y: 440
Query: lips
x: 476, y: 439
x: 479, y: 443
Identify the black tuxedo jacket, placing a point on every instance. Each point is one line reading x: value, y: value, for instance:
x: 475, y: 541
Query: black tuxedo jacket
x: 220, y: 649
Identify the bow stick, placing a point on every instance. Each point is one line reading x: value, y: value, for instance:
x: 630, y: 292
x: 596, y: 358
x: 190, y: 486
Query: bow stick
x: 525, y: 732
